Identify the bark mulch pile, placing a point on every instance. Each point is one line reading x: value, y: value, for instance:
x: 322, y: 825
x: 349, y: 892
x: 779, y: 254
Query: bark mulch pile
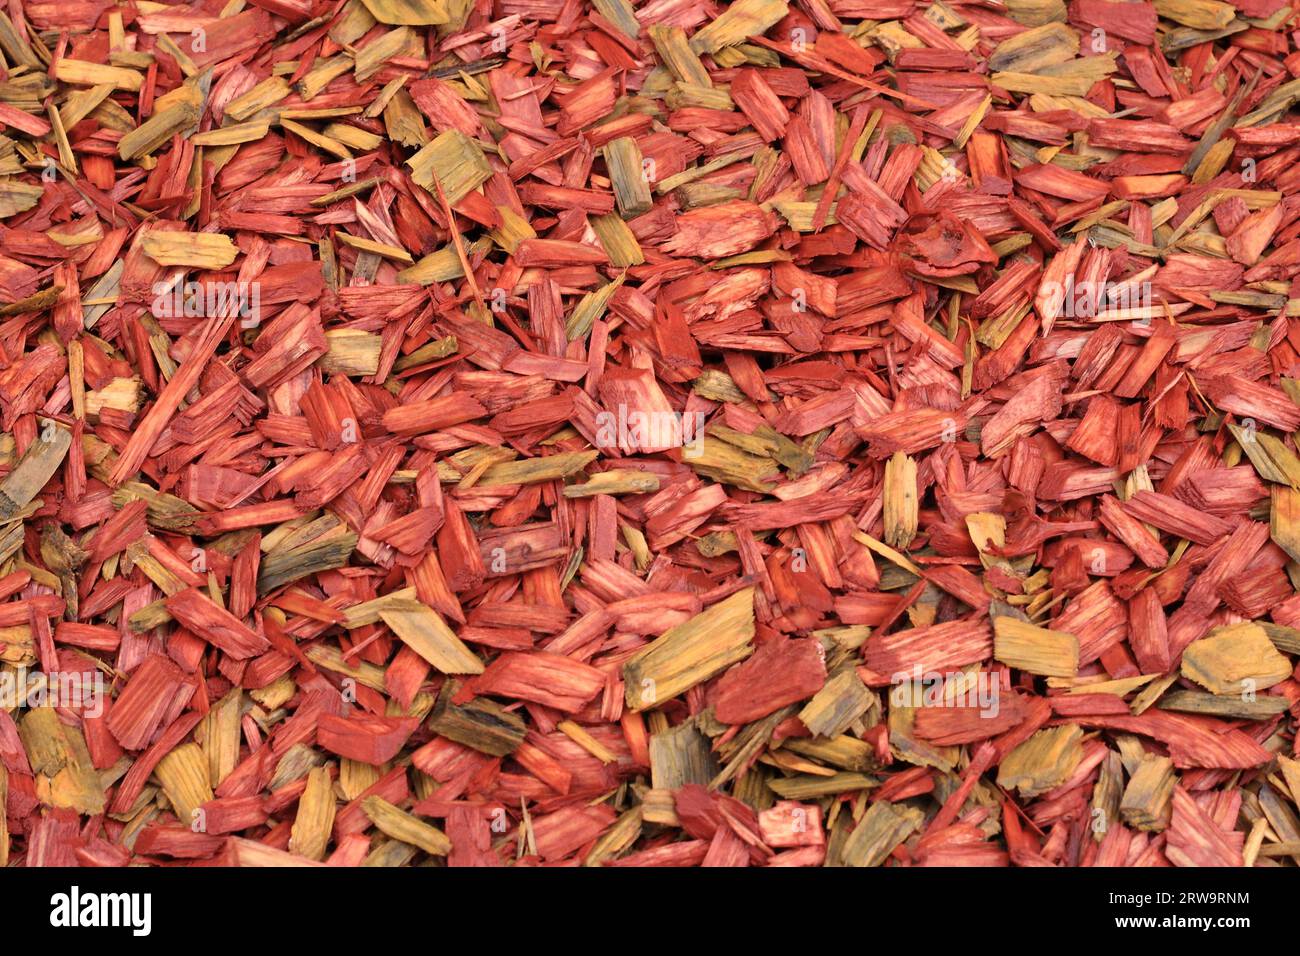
x: 672, y: 433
